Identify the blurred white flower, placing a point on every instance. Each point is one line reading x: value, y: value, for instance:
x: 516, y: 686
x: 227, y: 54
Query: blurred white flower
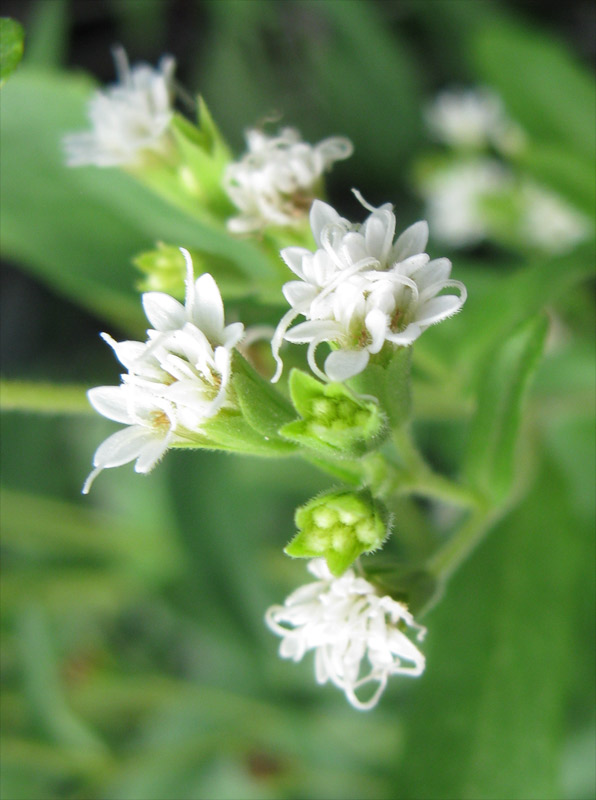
x: 127, y: 119
x: 344, y: 620
x: 473, y: 118
x: 454, y: 197
x: 549, y: 223
x: 176, y: 379
x: 360, y: 289
x: 278, y: 178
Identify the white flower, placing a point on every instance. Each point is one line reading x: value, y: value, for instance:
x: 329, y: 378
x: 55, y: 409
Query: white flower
x: 360, y: 289
x: 473, y: 118
x: 128, y: 118
x: 176, y: 379
x: 454, y: 197
x: 345, y: 620
x: 277, y: 179
x: 549, y: 223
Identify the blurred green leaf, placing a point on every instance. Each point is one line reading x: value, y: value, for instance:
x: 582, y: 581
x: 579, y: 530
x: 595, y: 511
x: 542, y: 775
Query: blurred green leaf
x: 498, y: 301
x: 561, y: 170
x: 543, y: 87
x: 43, y: 686
x: 503, y: 649
x: 490, y: 458
x: 382, y: 83
x: 12, y: 38
x: 49, y: 527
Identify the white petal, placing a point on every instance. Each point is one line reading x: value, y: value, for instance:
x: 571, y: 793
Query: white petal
x: 343, y: 364
x: 376, y: 324
x: 293, y: 256
x: 407, y: 336
x: 378, y: 232
x: 336, y: 148
x: 208, y: 310
x: 163, y: 312
x: 299, y: 294
x: 412, y: 241
x: 122, y: 446
x: 126, y: 352
x: 232, y: 334
x: 436, y: 271
x: 437, y: 309
x: 321, y: 215
x: 112, y: 402
x: 150, y: 454
x: 307, y: 331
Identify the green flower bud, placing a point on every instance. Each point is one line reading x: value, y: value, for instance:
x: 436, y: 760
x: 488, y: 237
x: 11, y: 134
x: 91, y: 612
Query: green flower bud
x: 164, y: 269
x: 339, y: 526
x: 334, y: 420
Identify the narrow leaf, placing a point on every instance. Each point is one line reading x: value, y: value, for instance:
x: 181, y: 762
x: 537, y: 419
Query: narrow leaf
x: 490, y: 455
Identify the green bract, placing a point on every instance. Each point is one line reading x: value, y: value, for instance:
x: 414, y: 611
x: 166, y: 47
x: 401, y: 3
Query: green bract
x: 339, y: 526
x: 334, y: 420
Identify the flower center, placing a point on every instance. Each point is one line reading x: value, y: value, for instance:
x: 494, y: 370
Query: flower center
x: 159, y: 420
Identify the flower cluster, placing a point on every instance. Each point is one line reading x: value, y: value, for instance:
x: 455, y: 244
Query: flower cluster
x: 174, y: 381
x: 128, y: 119
x: 344, y: 620
x: 276, y: 181
x: 361, y: 289
x: 477, y: 191
x: 473, y: 118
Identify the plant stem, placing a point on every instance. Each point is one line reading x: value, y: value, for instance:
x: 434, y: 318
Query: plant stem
x: 453, y: 553
x: 418, y: 478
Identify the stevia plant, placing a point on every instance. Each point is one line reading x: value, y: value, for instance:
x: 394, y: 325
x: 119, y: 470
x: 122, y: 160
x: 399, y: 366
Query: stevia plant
x: 366, y: 291
x: 323, y: 437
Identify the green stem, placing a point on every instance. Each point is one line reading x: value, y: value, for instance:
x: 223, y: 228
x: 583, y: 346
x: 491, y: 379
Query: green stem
x: 448, y: 558
x: 437, y: 487
x: 418, y: 478
x: 44, y: 398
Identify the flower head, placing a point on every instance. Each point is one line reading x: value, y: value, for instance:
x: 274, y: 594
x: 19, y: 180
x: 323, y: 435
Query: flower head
x: 127, y: 119
x: 278, y: 178
x: 361, y: 288
x: 174, y: 381
x: 345, y: 621
x: 473, y: 118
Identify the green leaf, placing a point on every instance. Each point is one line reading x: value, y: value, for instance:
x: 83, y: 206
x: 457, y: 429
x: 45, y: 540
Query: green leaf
x: 490, y: 458
x: 12, y: 39
x: 544, y: 89
x: 563, y: 171
x: 506, y: 631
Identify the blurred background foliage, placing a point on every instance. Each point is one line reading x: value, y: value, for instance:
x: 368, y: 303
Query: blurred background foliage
x: 135, y: 662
